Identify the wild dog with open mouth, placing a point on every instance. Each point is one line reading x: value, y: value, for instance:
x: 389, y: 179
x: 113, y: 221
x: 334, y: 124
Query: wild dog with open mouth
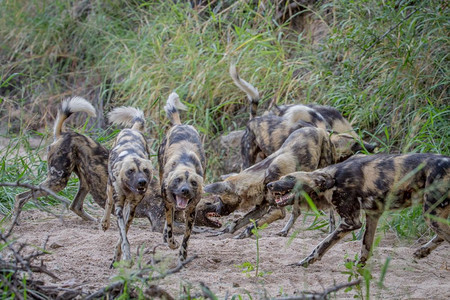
x: 69, y: 153
x: 307, y: 149
x: 72, y: 152
x: 129, y: 174
x: 373, y: 184
x: 181, y: 169
x: 265, y: 134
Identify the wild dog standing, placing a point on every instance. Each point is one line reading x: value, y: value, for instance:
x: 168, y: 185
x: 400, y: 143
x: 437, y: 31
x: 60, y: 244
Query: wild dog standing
x: 70, y: 153
x: 306, y: 148
x: 129, y: 174
x: 265, y: 134
x: 373, y: 184
x: 181, y: 169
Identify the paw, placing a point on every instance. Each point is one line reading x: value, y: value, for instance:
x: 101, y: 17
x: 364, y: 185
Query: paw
x: 244, y: 234
x: 173, y: 244
x: 105, y: 224
x: 303, y: 263
x: 282, y: 233
x: 421, y: 252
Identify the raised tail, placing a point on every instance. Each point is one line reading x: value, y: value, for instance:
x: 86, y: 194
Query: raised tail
x: 171, y: 108
x: 127, y: 116
x: 68, y: 107
x: 250, y: 90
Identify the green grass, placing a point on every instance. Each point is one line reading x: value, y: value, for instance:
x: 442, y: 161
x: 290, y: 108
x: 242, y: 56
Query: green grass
x: 384, y: 65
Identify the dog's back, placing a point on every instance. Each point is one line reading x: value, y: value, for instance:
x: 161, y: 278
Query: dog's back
x: 394, y: 180
x: 182, y: 144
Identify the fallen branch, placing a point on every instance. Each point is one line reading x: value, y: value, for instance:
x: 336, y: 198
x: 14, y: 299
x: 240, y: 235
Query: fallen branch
x: 34, y: 189
x: 323, y: 295
x: 118, y: 285
x: 12, y: 273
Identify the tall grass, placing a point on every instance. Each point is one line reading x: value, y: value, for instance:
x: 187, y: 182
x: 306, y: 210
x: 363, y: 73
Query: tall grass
x: 384, y: 64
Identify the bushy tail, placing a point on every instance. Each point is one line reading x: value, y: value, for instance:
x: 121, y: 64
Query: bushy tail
x: 171, y: 108
x: 127, y: 116
x: 250, y: 90
x: 68, y: 107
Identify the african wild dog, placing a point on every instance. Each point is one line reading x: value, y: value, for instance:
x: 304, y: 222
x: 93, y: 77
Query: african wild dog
x: 181, y: 169
x: 129, y: 174
x: 373, y: 184
x: 305, y: 149
x: 70, y: 153
x: 265, y: 134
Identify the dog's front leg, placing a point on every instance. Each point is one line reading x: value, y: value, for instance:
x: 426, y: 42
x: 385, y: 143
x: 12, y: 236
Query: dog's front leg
x: 341, y: 231
x: 189, y: 216
x: 369, y: 235
x: 274, y: 213
x: 123, y: 246
x: 254, y: 214
x: 426, y: 249
x: 294, y: 215
x: 168, y: 227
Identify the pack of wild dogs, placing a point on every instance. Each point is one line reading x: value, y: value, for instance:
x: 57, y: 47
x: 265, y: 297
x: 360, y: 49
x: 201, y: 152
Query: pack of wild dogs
x: 291, y: 155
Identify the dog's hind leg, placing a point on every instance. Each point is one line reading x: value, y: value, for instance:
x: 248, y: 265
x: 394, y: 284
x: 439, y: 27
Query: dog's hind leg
x: 426, y: 249
x: 441, y: 228
x: 77, y: 204
x: 271, y: 216
x: 346, y: 225
x: 249, y: 149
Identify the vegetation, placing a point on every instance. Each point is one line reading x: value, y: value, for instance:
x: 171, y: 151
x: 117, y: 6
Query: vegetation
x: 383, y: 64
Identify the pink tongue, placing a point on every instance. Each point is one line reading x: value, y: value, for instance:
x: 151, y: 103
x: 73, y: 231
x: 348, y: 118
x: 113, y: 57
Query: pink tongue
x: 181, y: 202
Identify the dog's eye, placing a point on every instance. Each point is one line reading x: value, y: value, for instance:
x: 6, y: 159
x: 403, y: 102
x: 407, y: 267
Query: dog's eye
x: 194, y: 183
x: 177, y: 180
x: 146, y: 171
x: 130, y: 171
x: 290, y: 178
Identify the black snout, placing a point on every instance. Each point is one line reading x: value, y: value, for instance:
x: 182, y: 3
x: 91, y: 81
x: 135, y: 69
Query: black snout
x: 185, y: 191
x: 370, y: 147
x: 142, y: 182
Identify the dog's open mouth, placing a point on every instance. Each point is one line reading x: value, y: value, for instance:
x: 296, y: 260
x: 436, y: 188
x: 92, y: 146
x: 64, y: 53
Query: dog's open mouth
x: 212, y: 222
x: 141, y: 190
x: 283, y: 198
x: 182, y: 202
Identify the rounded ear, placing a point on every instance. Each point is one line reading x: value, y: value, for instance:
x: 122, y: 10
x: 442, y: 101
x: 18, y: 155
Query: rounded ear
x: 324, y: 181
x: 218, y: 188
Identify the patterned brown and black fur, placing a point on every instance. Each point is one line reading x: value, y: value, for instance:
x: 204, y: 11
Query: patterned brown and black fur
x: 181, y: 170
x: 70, y: 153
x: 265, y: 134
x: 129, y: 174
x: 305, y: 149
x: 373, y: 184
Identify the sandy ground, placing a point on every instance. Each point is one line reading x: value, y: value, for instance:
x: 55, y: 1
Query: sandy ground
x: 81, y: 255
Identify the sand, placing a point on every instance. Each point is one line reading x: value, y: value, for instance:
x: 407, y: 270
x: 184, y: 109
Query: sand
x: 81, y: 255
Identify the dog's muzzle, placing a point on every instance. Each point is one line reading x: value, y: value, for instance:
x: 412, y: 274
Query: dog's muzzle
x: 281, y: 192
